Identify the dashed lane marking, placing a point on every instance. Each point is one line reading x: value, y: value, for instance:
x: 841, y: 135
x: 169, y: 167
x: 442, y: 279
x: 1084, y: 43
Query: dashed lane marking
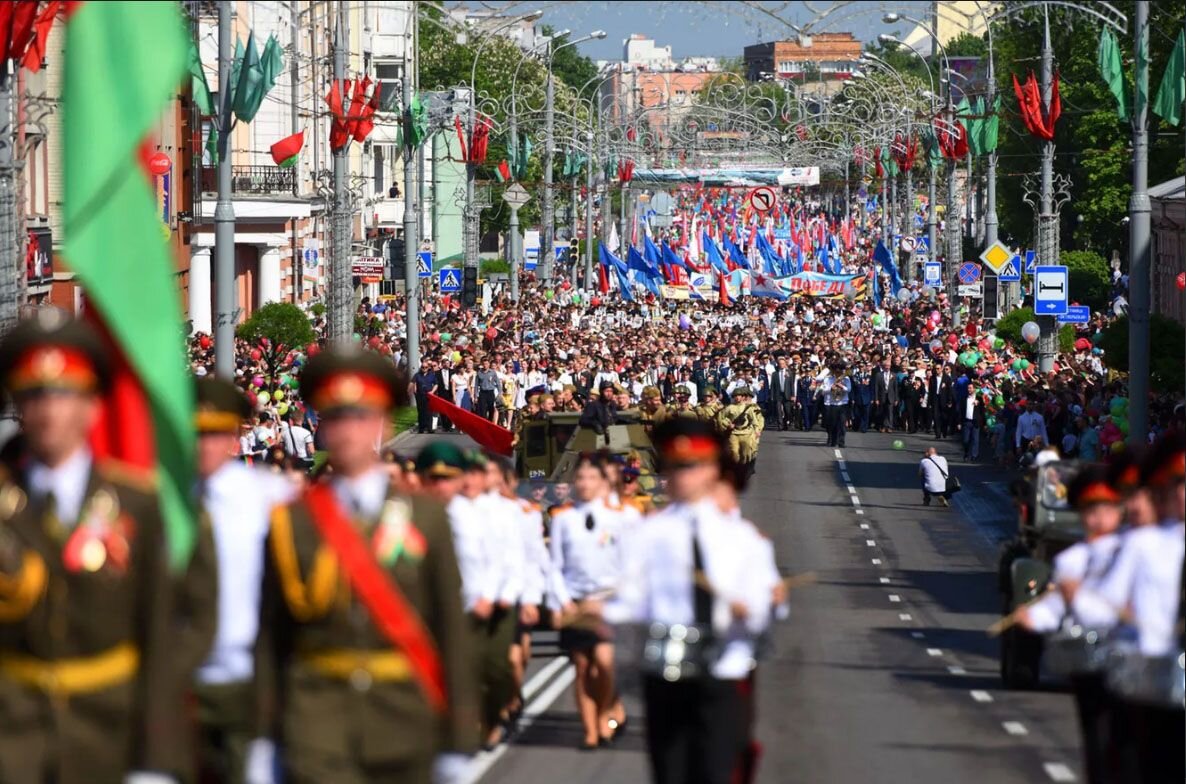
x: 905, y: 617
x: 855, y: 501
x: 1015, y: 728
x: 864, y: 526
x: 957, y: 670
x: 844, y: 475
x: 860, y: 511
x: 838, y: 454
x: 934, y: 651
x: 870, y: 543
x: 1058, y: 771
x: 893, y: 597
x: 876, y: 562
x: 884, y: 580
x: 917, y: 635
x: 852, y: 490
x: 980, y: 695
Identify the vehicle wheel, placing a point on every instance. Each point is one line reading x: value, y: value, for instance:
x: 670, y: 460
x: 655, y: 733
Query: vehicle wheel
x: 1021, y: 654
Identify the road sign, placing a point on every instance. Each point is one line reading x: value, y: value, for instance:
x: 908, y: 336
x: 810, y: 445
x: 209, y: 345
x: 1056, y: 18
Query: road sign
x: 424, y: 264
x: 367, y: 266
x: 763, y: 199
x: 1050, y: 291
x: 970, y: 290
x: 1076, y: 314
x: 516, y: 195
x: 449, y: 280
x: 531, y: 259
x: 1031, y: 261
x: 1011, y: 272
x: 932, y: 273
x: 996, y: 256
x: 969, y: 273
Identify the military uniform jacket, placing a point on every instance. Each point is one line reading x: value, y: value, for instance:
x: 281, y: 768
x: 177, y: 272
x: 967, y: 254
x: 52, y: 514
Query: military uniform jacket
x: 88, y: 683
x: 741, y: 420
x: 308, y: 612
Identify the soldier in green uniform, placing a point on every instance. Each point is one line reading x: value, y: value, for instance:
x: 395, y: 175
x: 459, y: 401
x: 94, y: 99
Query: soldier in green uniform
x: 652, y: 410
x: 742, y: 420
x: 89, y: 690
x: 683, y: 403
x: 710, y: 409
x: 363, y: 662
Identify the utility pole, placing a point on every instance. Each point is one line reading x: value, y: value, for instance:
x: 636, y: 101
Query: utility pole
x: 411, y: 241
x: 951, y: 218
x: 11, y: 269
x: 1138, y: 228
x: 341, y: 283
x: 908, y: 221
x: 1047, y: 218
x: 588, y: 213
x: 547, y: 254
x: 1005, y: 291
x: 225, y: 295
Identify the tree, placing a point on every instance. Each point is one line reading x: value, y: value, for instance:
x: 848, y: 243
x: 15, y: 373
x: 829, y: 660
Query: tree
x: 1090, y: 282
x: 1166, y: 371
x: 569, y: 65
x: 275, y: 329
x: 1010, y: 326
x: 967, y: 45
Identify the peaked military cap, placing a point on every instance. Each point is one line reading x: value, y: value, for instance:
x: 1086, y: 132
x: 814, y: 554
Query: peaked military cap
x: 352, y: 378
x: 221, y: 406
x: 52, y: 351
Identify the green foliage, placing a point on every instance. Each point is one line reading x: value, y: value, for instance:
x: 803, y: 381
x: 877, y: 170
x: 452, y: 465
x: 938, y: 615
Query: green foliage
x: 967, y: 45
x: 1166, y: 371
x: 1010, y: 326
x: 568, y: 64
x: 902, y: 60
x: 317, y: 309
x: 283, y: 326
x: 492, y: 266
x: 1088, y: 270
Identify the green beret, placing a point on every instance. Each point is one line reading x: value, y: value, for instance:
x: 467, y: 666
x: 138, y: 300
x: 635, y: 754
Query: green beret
x: 440, y: 458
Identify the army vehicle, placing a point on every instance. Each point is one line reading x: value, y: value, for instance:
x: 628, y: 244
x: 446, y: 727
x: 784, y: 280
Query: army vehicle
x: 1046, y: 525
x: 549, y: 447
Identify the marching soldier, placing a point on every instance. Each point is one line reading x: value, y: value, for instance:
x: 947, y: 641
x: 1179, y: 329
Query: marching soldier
x: 687, y: 579
x: 683, y: 403
x: 89, y: 690
x: 237, y: 501
x: 652, y: 409
x: 742, y: 420
x: 710, y: 409
x: 363, y: 659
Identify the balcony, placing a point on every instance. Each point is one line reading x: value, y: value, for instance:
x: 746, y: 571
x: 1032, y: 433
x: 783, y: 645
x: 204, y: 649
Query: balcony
x: 253, y: 179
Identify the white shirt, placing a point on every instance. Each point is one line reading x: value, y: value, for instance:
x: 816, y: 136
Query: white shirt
x: 656, y: 581
x: 1145, y: 580
x: 1029, y: 425
x: 363, y: 495
x: 970, y: 407
x: 1084, y: 562
x: 933, y: 469
x: 239, y: 500
x: 586, y: 561
x: 297, y: 440
x: 68, y: 482
x: 537, y: 565
x: 503, y: 518
x: 476, y: 558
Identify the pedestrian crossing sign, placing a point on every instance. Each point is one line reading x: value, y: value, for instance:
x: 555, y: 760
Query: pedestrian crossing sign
x: 424, y: 264
x: 1011, y: 272
x: 450, y: 281
x: 1031, y: 261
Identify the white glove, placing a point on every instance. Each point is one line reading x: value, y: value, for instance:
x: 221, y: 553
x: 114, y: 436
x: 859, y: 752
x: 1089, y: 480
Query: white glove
x: 148, y: 777
x: 450, y: 768
x: 261, y: 762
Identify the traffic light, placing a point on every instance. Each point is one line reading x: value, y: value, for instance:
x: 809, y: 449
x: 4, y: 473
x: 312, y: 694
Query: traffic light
x: 397, y: 269
x: 469, y: 287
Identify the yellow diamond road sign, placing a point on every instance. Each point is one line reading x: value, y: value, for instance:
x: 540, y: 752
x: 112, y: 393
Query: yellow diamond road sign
x: 996, y: 256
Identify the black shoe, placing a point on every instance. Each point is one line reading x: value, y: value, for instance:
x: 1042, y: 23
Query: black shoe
x: 586, y: 746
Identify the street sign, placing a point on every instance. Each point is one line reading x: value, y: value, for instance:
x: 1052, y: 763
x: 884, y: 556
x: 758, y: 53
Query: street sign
x: 996, y: 256
x: 424, y: 264
x: 763, y: 199
x: 516, y: 195
x: 531, y: 259
x: 449, y: 280
x: 1031, y: 261
x: 969, y: 290
x: 1076, y: 314
x: 932, y: 273
x: 367, y: 266
x: 1050, y: 291
x: 969, y: 273
x: 1011, y: 272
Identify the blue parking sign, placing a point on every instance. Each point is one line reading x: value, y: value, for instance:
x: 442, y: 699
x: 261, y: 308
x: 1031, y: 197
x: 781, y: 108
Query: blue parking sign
x: 449, y: 280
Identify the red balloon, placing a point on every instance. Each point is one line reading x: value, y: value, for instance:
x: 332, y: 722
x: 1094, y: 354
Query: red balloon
x: 256, y: 354
x: 374, y: 341
x: 1181, y: 281
x: 159, y: 163
x: 312, y: 349
x: 205, y: 342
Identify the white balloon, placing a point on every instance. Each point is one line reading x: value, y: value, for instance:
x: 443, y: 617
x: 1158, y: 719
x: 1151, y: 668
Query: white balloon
x: 1030, y: 331
x: 928, y: 292
x: 903, y: 295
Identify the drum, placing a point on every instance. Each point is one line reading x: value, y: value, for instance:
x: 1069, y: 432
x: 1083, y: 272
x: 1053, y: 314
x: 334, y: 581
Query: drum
x: 677, y: 652
x: 1076, y: 650
x: 1158, y: 681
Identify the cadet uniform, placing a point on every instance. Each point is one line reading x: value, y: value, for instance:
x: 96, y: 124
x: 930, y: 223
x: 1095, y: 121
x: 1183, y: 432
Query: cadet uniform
x: 742, y: 420
x: 236, y: 502
x: 689, y: 568
x: 89, y: 689
x: 363, y: 659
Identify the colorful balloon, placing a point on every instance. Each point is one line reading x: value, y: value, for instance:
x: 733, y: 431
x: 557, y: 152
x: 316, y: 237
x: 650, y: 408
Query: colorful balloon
x: 1030, y: 332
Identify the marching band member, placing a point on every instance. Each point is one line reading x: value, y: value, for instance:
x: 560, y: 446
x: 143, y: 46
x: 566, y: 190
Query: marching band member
x: 585, y: 541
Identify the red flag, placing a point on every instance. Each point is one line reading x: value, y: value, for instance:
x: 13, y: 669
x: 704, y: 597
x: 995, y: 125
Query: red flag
x: 877, y: 167
x: 724, y: 290
x: 503, y: 171
x: 35, y: 54
x: 285, y: 151
x: 357, y: 105
x: 1029, y: 101
x: 480, y: 140
x: 461, y: 138
x: 16, y: 27
x: 339, y: 134
x: 602, y: 279
x: 486, y: 433
x: 366, y: 123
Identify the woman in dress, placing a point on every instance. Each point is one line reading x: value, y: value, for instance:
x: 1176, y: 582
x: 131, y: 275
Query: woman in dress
x: 585, y: 538
x: 462, y: 382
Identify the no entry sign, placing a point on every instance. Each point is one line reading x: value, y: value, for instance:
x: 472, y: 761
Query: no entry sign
x: 763, y: 199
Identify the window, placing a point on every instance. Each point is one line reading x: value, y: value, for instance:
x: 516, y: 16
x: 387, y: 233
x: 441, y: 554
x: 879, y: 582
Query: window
x: 379, y: 156
x: 389, y: 73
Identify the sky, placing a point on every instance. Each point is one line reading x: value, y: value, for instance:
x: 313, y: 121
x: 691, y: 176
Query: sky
x: 720, y: 28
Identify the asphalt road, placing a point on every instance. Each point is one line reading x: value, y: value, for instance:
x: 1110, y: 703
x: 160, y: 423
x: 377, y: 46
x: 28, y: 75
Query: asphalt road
x: 883, y: 673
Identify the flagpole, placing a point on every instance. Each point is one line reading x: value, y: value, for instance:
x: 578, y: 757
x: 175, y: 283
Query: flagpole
x: 411, y: 243
x: 341, y: 284
x: 225, y: 295
x: 1047, y: 219
x: 1139, y: 210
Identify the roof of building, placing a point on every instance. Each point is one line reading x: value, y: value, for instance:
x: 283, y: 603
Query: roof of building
x: 1170, y: 190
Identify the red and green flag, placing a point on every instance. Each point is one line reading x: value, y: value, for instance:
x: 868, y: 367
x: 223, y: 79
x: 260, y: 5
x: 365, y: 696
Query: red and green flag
x: 130, y: 55
x: 286, y: 152
x: 503, y: 172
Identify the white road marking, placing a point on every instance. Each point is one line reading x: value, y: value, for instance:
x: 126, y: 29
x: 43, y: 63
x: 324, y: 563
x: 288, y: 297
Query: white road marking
x: 905, y: 617
x: 934, y: 652
x: 843, y: 465
x: 917, y: 635
x: 876, y: 562
x: 541, y: 678
x: 844, y: 475
x: 860, y: 511
x: 839, y: 454
x: 855, y: 501
x: 864, y: 526
x: 1015, y: 728
x: 980, y: 695
x: 485, y: 760
x: 870, y: 543
x: 893, y: 597
x: 955, y: 670
x: 885, y: 580
x: 1057, y: 771
x: 851, y: 489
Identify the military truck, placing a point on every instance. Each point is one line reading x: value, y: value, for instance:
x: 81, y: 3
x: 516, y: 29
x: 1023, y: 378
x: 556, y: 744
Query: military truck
x: 548, y: 447
x: 1046, y: 525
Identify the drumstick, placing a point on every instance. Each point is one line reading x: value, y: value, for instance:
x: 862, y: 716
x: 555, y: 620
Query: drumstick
x: 1001, y: 625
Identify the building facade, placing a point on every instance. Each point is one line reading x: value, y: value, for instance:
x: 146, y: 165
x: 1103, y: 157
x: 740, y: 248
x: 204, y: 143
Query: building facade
x: 827, y: 58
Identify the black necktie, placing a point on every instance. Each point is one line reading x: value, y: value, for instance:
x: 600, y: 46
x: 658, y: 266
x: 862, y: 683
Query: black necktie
x: 701, y: 597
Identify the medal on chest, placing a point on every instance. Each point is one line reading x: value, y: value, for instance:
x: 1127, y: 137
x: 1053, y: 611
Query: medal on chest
x: 100, y: 539
x: 396, y: 535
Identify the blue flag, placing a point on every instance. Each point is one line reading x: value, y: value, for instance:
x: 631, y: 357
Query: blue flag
x: 883, y: 257
x: 714, y: 254
x: 644, y: 273
x: 770, y: 258
x: 735, y: 253
x: 624, y: 285
x: 611, y: 261
x: 670, y: 257
x: 876, y: 289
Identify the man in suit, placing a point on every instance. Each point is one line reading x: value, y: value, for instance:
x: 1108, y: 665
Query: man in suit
x: 364, y: 658
x: 885, y: 396
x: 782, y: 394
x: 974, y: 420
x: 805, y: 393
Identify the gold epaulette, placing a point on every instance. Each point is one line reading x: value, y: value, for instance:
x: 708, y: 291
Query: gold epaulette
x: 306, y: 599
x: 121, y: 473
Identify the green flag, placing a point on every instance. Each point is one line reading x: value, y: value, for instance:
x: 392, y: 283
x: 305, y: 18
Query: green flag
x: 991, y: 127
x: 272, y: 64
x: 1172, y: 92
x: 1107, y: 57
x: 237, y: 63
x: 130, y: 55
x: 930, y: 143
x: 212, y: 144
x: 416, y: 123
x: 199, y: 88
x: 250, y: 87
x: 524, y: 159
